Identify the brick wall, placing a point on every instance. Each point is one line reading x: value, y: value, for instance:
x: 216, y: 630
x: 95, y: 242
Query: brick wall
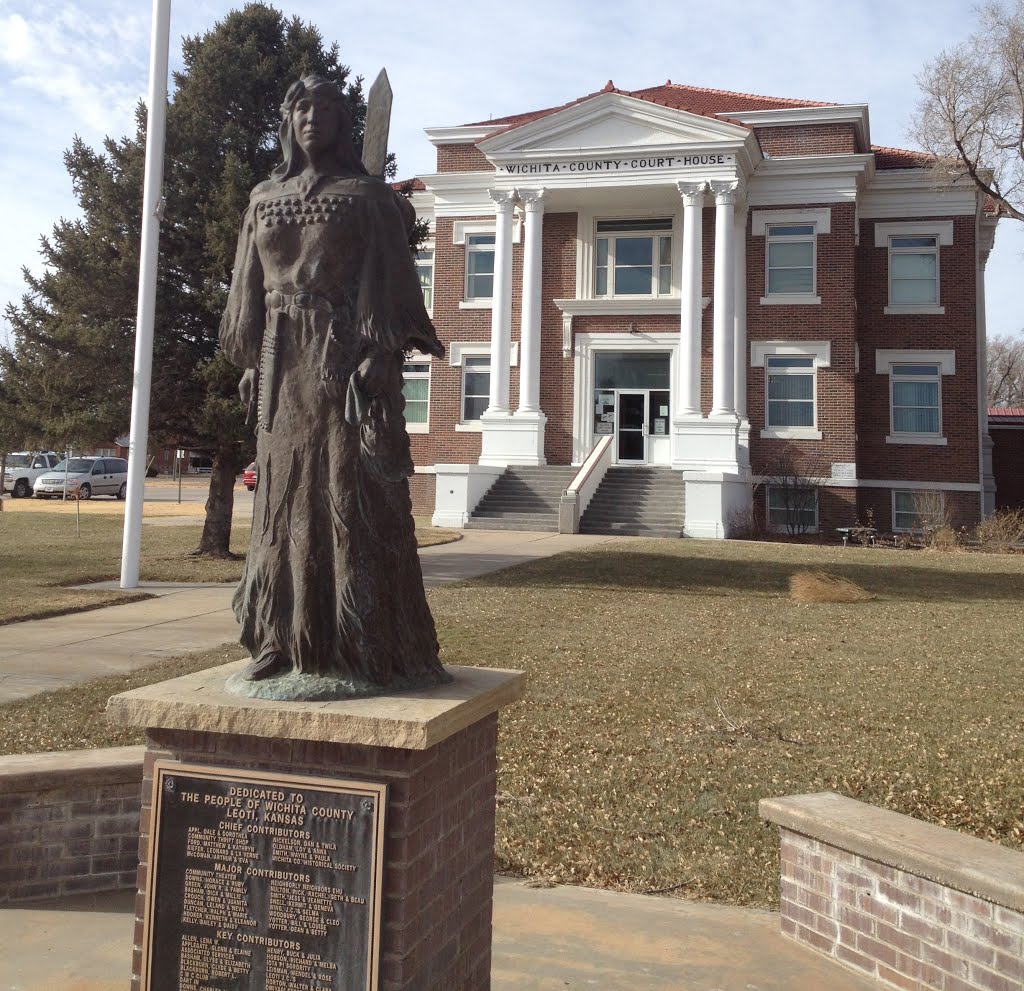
x: 462, y: 158
x: 891, y: 921
x: 902, y: 929
x: 808, y: 139
x: 558, y: 281
x: 957, y: 460
x: 834, y: 320
x: 423, y: 491
x: 961, y: 508
x: 69, y: 822
x: 439, y: 842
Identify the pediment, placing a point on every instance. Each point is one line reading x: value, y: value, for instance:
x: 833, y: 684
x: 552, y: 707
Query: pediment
x: 611, y: 122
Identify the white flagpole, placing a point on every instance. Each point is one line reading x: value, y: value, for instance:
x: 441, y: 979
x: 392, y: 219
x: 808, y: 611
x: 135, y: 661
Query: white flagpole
x: 156, y: 124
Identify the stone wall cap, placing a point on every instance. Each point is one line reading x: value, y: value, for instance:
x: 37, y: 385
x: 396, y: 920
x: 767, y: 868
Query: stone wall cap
x: 417, y: 720
x: 70, y: 768
x: 956, y: 860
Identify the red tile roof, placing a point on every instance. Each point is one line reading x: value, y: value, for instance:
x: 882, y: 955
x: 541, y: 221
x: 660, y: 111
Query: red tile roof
x: 901, y: 158
x: 694, y: 99
x: 1006, y: 411
x: 415, y: 185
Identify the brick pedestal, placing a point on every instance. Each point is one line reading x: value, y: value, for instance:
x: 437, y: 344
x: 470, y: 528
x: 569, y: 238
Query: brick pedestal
x: 435, y: 750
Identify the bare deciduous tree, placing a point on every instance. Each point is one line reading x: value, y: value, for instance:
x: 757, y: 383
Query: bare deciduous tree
x: 971, y: 113
x: 1006, y: 371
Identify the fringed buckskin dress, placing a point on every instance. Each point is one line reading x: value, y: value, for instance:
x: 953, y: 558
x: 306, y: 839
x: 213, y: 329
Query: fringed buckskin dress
x: 324, y: 279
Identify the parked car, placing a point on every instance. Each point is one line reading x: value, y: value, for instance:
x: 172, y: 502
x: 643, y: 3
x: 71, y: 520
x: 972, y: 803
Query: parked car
x: 249, y: 477
x: 85, y: 477
x: 23, y: 468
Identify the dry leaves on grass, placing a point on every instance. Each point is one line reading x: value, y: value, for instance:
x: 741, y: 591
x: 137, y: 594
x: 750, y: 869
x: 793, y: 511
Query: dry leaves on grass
x: 672, y: 684
x: 821, y: 586
x: 38, y: 572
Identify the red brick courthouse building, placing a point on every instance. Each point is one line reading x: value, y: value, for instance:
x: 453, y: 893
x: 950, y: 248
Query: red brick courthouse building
x: 740, y: 291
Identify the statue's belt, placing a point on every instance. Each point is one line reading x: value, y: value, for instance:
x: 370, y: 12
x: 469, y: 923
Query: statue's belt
x: 303, y: 300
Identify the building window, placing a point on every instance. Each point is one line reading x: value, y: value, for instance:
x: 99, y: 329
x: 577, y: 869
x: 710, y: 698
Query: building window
x: 633, y: 258
x: 917, y: 511
x: 790, y: 251
x: 790, y: 391
x: 915, y: 395
x: 791, y: 386
x: 425, y: 270
x: 476, y: 385
x: 416, y: 390
x: 914, y: 271
x: 479, y: 266
x: 793, y: 508
x: 912, y: 261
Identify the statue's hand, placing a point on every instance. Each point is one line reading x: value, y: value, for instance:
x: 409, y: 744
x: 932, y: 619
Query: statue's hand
x: 245, y: 385
x: 375, y: 374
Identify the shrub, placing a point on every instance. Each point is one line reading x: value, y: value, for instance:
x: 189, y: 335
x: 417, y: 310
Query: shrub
x: 1001, y: 532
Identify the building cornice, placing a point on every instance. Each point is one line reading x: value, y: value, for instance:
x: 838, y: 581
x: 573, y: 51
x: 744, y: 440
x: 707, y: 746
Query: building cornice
x: 915, y: 193
x: 461, y: 135
x: 461, y: 194
x: 810, y: 179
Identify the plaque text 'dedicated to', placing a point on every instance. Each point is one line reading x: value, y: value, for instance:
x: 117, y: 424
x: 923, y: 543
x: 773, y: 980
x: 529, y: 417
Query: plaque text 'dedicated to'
x: 262, y: 882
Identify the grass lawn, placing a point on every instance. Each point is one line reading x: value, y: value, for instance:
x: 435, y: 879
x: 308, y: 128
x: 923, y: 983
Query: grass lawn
x: 46, y: 546
x: 674, y: 683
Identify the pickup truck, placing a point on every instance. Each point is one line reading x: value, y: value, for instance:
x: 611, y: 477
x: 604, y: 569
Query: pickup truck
x: 23, y: 468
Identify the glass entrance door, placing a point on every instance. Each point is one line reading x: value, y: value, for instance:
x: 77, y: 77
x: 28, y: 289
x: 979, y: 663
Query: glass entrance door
x: 631, y: 428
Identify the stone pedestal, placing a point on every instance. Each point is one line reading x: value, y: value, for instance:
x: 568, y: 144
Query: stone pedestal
x: 435, y: 752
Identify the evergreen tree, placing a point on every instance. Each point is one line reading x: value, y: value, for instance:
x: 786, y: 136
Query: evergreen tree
x: 74, y: 331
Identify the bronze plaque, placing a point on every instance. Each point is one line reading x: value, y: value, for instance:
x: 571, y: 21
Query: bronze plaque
x: 262, y: 882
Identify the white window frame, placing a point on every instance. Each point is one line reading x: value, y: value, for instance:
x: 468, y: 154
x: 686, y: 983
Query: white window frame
x: 418, y: 359
x: 934, y: 494
x: 945, y: 364
x: 460, y: 231
x: 809, y: 371
x: 421, y: 263
x: 774, y: 235
x: 472, y: 251
x: 783, y: 527
x: 819, y: 351
x: 942, y: 231
x: 762, y: 220
x: 656, y: 236
x: 458, y: 351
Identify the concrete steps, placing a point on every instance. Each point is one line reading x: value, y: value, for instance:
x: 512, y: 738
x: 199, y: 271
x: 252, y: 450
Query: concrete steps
x: 523, y: 498
x: 637, y: 502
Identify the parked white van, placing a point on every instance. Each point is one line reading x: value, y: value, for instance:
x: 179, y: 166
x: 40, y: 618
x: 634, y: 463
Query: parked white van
x: 23, y: 468
x: 86, y: 477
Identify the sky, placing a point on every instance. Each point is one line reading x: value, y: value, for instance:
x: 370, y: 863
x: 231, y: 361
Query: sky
x: 72, y: 67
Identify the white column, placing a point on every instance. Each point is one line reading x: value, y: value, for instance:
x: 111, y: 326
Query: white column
x: 723, y: 399
x: 501, y: 303
x: 529, y: 337
x: 690, y: 290
x: 742, y: 359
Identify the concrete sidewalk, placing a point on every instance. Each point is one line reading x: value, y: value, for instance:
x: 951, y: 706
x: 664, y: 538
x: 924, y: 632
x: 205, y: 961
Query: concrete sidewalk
x: 40, y: 655
x: 545, y: 939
